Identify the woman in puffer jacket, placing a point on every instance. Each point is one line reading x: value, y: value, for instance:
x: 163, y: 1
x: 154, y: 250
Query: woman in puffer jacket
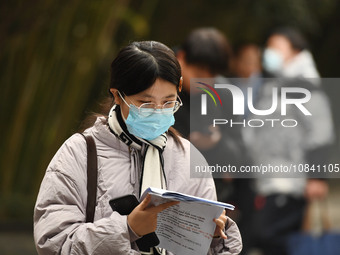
x: 136, y: 148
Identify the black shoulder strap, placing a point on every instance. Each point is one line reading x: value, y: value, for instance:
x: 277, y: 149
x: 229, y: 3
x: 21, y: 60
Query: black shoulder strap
x: 92, y: 172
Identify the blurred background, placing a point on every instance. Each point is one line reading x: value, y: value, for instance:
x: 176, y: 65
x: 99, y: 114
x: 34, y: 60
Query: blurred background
x: 54, y: 67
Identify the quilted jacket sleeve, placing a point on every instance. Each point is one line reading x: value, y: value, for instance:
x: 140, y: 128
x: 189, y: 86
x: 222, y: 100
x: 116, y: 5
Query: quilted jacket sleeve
x: 59, y: 215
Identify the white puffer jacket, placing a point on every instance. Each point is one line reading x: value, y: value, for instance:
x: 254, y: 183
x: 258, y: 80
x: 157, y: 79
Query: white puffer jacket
x: 59, y: 216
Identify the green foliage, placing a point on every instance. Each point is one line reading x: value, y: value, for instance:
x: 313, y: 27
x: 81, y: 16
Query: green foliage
x: 53, y: 60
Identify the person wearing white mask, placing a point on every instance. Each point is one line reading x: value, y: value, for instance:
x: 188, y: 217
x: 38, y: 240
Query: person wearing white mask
x: 280, y: 202
x: 287, y: 55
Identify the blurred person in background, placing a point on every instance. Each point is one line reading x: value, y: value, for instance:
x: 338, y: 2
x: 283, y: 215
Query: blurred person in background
x: 296, y: 61
x: 137, y: 148
x: 280, y: 202
x: 246, y: 61
x: 206, y: 53
x: 286, y: 55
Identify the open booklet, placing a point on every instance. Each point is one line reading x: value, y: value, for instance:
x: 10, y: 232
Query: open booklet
x: 188, y: 227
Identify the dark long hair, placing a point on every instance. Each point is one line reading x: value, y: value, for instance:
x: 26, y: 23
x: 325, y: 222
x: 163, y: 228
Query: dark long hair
x: 135, y: 69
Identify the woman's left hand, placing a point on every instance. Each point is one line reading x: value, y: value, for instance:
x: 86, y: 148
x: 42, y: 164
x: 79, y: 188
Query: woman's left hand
x: 220, y: 226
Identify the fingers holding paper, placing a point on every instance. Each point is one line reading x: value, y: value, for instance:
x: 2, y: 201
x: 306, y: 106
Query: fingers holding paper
x: 220, y: 225
x: 143, y: 219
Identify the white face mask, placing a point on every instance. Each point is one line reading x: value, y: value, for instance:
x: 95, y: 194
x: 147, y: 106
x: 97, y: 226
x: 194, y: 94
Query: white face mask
x: 272, y: 60
x: 148, y: 123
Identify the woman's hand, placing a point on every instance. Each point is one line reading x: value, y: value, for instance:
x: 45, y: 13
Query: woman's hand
x: 220, y: 226
x: 143, y: 220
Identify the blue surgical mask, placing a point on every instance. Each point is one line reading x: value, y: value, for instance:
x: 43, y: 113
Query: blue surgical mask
x: 272, y: 60
x: 149, y: 126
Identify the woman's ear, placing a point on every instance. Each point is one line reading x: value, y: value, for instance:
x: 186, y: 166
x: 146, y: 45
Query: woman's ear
x: 115, y: 95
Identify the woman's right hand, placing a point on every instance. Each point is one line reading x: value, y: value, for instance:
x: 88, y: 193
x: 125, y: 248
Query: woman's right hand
x: 143, y: 219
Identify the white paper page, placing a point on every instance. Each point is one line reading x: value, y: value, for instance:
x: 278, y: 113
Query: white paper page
x: 186, y: 228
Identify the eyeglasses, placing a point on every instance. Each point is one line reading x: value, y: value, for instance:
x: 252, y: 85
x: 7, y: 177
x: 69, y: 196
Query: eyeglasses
x: 147, y: 109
